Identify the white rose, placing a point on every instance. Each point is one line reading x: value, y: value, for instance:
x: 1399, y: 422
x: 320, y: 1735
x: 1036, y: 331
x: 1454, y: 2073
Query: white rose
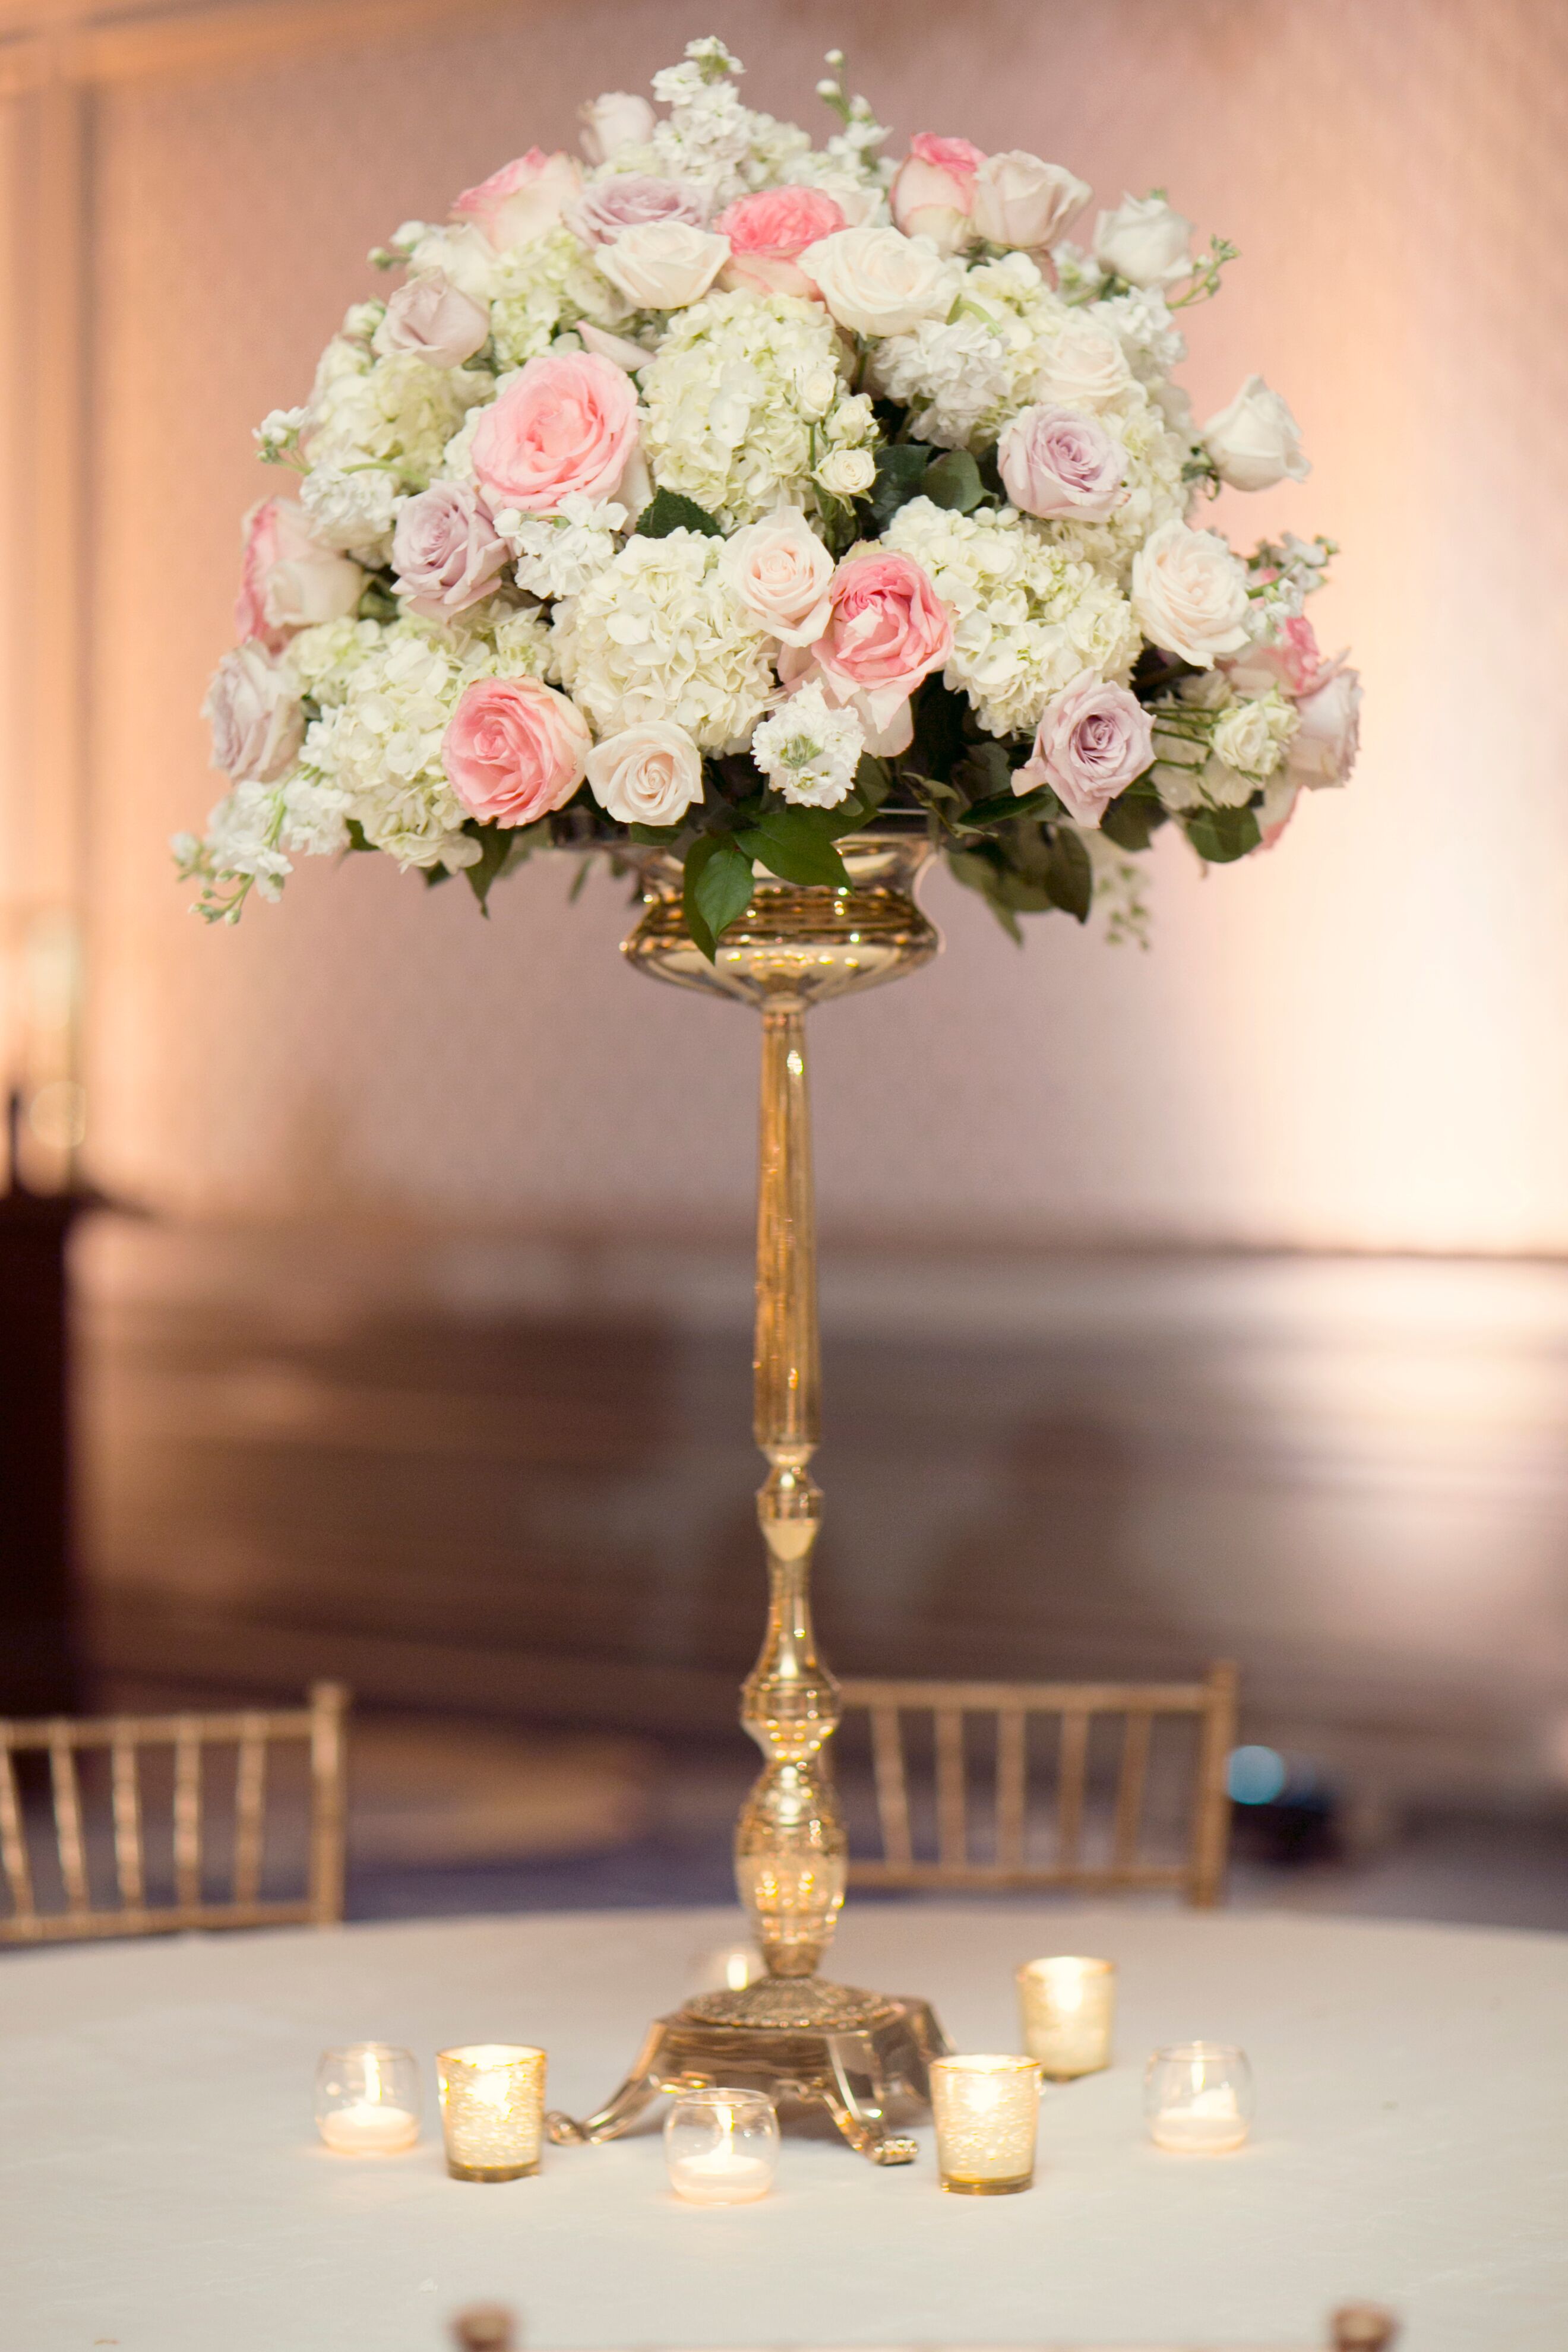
x: 1086, y: 367
x: 1021, y: 202
x: 817, y: 387
x: 664, y: 265
x: 1255, y: 442
x: 1324, y: 751
x: 1145, y: 241
x: 1252, y: 736
x: 612, y: 121
x: 848, y: 473
x: 875, y: 282
x: 434, y: 320
x: 253, y: 708
x: 647, y: 775
x: 1189, y: 593
x: 780, y: 570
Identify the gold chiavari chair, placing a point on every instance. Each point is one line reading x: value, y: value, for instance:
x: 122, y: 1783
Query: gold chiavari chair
x: 129, y: 1742
x: 1199, y: 1874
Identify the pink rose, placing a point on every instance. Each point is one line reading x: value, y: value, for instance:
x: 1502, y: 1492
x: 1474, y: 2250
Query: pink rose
x: 1055, y: 461
x: 288, y: 579
x: 569, y: 424
x: 444, y: 550
x: 887, y: 629
x: 768, y: 232
x: 1292, y: 663
x: 1323, y: 749
x: 1021, y: 202
x: 521, y: 202
x: 933, y: 194
x: 1091, y: 742
x: 630, y: 201
x: 515, y: 750
x: 435, y: 321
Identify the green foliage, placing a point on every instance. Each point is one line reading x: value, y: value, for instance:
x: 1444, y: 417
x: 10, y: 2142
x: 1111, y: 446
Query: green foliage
x: 1069, y: 873
x: 954, y: 480
x: 1221, y: 836
x: 494, y: 843
x: 796, y: 844
x: 939, y: 741
x: 356, y: 836
x: 716, y: 888
x: 1132, y: 820
x: 668, y: 511
x: 900, y: 470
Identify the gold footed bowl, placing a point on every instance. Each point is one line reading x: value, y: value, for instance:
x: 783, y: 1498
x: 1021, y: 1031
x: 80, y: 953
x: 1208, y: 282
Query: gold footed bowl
x: 795, y: 2034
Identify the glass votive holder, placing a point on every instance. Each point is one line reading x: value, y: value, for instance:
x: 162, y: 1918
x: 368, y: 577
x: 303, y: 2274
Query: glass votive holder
x: 987, y: 2112
x: 722, y: 2146
x: 1068, y: 2005
x: 729, y: 1968
x: 367, y: 2099
x: 1197, y: 2098
x: 492, y: 2109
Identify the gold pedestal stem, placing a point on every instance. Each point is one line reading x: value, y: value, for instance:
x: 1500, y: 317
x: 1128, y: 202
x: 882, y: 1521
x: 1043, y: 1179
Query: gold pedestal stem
x: 790, y: 1845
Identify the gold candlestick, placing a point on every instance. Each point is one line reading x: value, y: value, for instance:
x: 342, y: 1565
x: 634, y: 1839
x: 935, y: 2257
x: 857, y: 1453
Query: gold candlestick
x: 793, y: 2033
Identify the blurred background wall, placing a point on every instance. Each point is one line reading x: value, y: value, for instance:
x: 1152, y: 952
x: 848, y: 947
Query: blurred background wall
x: 1197, y: 1299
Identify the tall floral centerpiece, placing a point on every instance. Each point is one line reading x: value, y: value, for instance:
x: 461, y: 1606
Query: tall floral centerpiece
x: 769, y: 518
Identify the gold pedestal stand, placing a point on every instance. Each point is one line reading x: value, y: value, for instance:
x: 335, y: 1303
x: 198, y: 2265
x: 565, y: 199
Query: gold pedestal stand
x: 793, y: 2034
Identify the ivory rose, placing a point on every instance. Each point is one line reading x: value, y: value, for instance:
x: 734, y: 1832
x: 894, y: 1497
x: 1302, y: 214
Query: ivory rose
x: 1189, y: 593
x: 614, y: 120
x: 647, y: 775
x: 515, y: 750
x: 445, y: 552
x: 1055, y: 461
x: 1086, y: 367
x: 875, y: 282
x: 568, y: 423
x: 1090, y: 743
x: 254, y: 711
x: 664, y: 265
x: 933, y: 193
x: 435, y: 321
x: 781, y: 572
x: 1324, y: 748
x: 846, y: 473
x: 769, y: 231
x: 887, y: 630
x: 1021, y: 202
x: 523, y: 202
x: 1145, y: 241
x: 288, y: 579
x: 630, y: 200
x: 1255, y: 442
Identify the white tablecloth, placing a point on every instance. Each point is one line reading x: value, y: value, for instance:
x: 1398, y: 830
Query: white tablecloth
x: 164, y: 2191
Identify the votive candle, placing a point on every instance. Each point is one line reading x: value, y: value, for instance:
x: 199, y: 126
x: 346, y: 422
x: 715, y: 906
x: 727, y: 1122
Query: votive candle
x: 722, y: 2146
x: 987, y: 2112
x: 492, y: 2109
x: 1197, y: 2098
x: 1068, y: 2005
x: 367, y: 2099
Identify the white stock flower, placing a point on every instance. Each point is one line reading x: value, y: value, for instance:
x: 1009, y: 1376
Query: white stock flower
x: 664, y: 265
x: 781, y: 572
x: 1255, y: 442
x: 1189, y: 592
x: 353, y: 511
x: 558, y: 555
x: 1145, y: 241
x: 649, y: 775
x: 1252, y: 736
x: 877, y: 281
x: 808, y: 750
x: 1148, y: 334
x: 658, y: 635
x: 242, y: 837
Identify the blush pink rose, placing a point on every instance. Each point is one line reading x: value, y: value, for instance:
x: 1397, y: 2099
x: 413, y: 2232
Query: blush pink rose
x: 568, y: 424
x: 887, y: 629
x: 435, y: 321
x: 1055, y: 461
x: 288, y: 579
x: 1090, y: 743
x: 521, y: 202
x: 933, y: 194
x: 768, y: 233
x: 1323, y: 750
x: 515, y: 750
x: 1292, y: 663
x: 631, y: 200
x: 444, y: 550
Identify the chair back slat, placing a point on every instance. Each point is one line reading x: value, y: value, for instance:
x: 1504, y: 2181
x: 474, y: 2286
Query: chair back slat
x: 1211, y: 1820
x: 892, y: 1788
x: 66, y: 1792
x: 328, y: 1704
x: 1131, y: 1782
x: 952, y: 1796
x: 1072, y: 1768
x: 187, y: 1816
x: 1012, y: 1785
x: 249, y: 1807
x: 130, y: 1862
x: 12, y: 1840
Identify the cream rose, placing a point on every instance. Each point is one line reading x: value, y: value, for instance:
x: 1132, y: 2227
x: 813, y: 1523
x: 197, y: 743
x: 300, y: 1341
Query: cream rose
x: 780, y: 570
x: 435, y: 321
x: 1086, y: 367
x: 664, y: 265
x: 1145, y: 241
x: 1021, y: 202
x: 647, y: 775
x: 1255, y: 442
x: 878, y: 282
x: 1189, y: 593
x: 612, y: 121
x: 1251, y: 736
x: 848, y: 473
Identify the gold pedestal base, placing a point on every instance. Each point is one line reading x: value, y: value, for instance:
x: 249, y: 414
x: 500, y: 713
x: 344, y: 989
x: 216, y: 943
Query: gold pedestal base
x: 795, y: 2038
x: 988, y: 2188
x: 491, y: 2171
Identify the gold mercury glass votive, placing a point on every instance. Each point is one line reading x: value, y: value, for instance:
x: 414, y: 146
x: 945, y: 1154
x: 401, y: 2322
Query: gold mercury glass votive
x: 1068, y: 2005
x: 492, y: 2109
x: 987, y: 2112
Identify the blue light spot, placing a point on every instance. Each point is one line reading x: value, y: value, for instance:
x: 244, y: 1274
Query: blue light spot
x: 1254, y: 1776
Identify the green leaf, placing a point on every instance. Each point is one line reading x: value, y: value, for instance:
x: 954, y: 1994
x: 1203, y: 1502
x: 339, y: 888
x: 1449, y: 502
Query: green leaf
x: 1221, y: 836
x: 655, y: 836
x: 900, y: 465
x: 939, y: 741
x: 716, y: 888
x: 1004, y: 807
x: 873, y: 782
x: 976, y: 872
x: 1069, y: 873
x: 796, y: 844
x: 356, y: 836
x: 1132, y: 820
x: 668, y: 511
x: 495, y: 843
x: 953, y: 481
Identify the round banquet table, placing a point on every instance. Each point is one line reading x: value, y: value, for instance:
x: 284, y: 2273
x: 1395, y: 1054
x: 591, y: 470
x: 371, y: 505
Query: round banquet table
x: 164, y: 2191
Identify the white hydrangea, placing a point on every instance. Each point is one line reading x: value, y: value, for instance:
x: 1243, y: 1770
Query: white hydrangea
x: 558, y: 555
x: 1028, y: 617
x: 352, y: 509
x: 657, y: 634
x: 808, y: 750
x: 949, y: 374
x: 732, y: 402
x: 327, y: 653
x: 380, y: 749
x: 391, y: 417
x: 539, y: 291
x: 1150, y: 338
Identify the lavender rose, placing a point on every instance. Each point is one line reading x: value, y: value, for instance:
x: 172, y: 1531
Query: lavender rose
x: 435, y: 321
x: 444, y: 550
x: 1055, y: 461
x: 632, y: 200
x: 253, y: 709
x: 1091, y: 742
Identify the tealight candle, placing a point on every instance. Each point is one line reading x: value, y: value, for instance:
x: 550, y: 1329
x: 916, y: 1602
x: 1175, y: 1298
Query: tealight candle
x: 1068, y: 2005
x: 987, y: 2112
x: 722, y: 2146
x: 367, y: 2099
x: 492, y: 2109
x: 1197, y: 2098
